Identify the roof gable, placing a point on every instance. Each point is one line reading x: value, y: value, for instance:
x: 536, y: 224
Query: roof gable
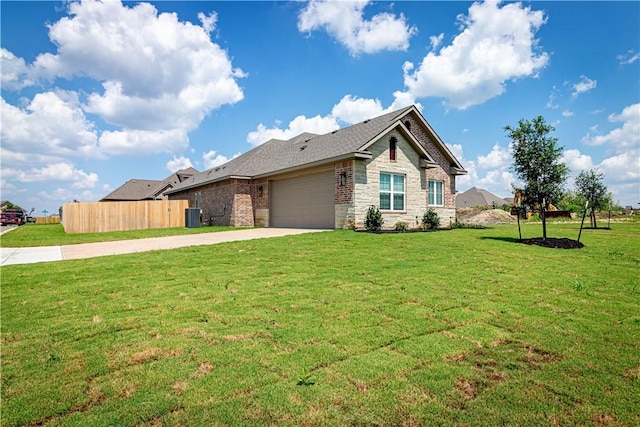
x: 148, y: 189
x: 136, y: 189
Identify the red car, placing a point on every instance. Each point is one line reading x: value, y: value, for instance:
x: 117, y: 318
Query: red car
x: 12, y: 216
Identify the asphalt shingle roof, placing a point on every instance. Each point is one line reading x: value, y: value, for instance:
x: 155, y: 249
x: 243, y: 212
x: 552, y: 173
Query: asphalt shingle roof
x: 147, y: 189
x: 305, y: 149
x: 477, y: 197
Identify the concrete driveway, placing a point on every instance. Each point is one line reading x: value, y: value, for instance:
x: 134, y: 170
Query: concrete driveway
x: 89, y: 250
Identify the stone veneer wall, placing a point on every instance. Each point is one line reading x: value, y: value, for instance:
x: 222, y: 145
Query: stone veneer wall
x: 367, y: 182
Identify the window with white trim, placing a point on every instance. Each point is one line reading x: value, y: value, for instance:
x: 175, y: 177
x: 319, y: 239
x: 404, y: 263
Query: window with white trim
x: 391, y: 192
x: 436, y: 196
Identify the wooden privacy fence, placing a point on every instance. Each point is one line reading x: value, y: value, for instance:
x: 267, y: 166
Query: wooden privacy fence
x: 47, y: 219
x: 121, y: 216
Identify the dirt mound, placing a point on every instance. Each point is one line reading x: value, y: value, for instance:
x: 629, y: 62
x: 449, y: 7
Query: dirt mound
x: 483, y: 217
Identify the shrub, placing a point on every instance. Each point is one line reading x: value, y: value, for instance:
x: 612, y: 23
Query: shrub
x: 374, y: 220
x: 430, y: 220
x: 401, y: 226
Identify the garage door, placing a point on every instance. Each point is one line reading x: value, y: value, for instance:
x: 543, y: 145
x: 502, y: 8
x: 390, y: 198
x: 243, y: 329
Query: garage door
x: 303, y: 202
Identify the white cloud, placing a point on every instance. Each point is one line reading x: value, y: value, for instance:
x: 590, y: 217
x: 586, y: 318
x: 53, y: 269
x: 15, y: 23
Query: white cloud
x: 64, y: 172
x: 177, y: 163
x: 52, y: 123
x: 498, y: 182
x: 576, y: 161
x: 495, y: 45
x: 345, y: 22
x: 158, y: 74
x: 456, y: 150
x: 213, y: 159
x: 208, y: 21
x: 142, y: 142
x: 628, y: 57
x: 349, y: 110
x: 551, y: 103
x: 622, y: 138
x: 623, y: 167
x: 316, y: 124
x: 498, y: 157
x: 59, y: 194
x: 63, y: 195
x: 584, y: 85
x: 567, y: 113
x: 14, y: 71
x: 464, y: 182
x: 489, y: 172
x: 436, y: 41
x: 6, y: 185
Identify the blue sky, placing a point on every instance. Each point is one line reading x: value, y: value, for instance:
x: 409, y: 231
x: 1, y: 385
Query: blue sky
x: 96, y: 93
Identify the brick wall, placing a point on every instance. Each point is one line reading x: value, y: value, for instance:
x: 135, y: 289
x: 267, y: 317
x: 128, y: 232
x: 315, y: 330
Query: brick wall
x: 344, y: 194
x: 344, y: 207
x: 228, y: 202
x: 444, y: 171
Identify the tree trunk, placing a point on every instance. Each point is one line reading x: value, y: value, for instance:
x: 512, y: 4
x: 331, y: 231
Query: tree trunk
x: 593, y: 214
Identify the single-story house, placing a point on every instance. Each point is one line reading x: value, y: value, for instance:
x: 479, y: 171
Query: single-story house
x: 478, y: 197
x: 147, y: 189
x: 396, y: 162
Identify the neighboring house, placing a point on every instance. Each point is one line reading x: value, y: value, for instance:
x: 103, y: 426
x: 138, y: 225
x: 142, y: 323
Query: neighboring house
x: 478, y: 197
x: 395, y: 162
x: 6, y: 204
x: 146, y: 189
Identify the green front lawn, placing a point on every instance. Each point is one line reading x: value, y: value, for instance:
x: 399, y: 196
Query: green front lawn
x: 30, y: 235
x: 461, y: 327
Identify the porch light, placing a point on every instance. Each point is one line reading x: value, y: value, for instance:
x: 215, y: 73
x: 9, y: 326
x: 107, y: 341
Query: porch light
x: 342, y: 179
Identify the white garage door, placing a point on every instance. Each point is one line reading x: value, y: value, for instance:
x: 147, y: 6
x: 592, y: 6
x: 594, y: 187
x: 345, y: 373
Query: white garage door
x: 303, y: 202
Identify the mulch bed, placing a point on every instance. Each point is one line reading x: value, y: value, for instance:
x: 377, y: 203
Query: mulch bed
x: 563, y: 243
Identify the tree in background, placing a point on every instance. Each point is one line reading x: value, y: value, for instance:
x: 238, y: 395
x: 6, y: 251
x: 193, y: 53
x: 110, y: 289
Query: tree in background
x: 589, y: 185
x: 571, y: 201
x: 536, y: 162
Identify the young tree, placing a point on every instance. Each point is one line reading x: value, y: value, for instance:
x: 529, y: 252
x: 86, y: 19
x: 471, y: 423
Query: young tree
x: 589, y: 185
x: 536, y: 161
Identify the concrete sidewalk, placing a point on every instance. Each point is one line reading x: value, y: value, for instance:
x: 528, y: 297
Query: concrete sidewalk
x: 89, y: 250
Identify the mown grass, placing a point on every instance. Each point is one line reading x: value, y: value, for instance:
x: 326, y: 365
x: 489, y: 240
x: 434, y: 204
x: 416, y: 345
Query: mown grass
x: 30, y: 235
x: 461, y: 327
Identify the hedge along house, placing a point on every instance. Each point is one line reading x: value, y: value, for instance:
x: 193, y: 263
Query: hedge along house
x: 395, y: 162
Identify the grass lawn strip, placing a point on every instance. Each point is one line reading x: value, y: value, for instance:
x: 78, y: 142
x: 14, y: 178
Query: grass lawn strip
x: 447, y: 328
x: 32, y: 235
